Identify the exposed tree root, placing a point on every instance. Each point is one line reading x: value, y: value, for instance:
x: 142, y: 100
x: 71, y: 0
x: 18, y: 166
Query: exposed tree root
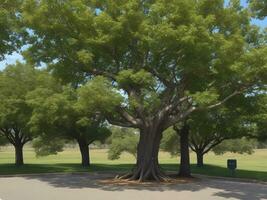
x: 125, y: 176
x: 138, y: 179
x: 141, y: 175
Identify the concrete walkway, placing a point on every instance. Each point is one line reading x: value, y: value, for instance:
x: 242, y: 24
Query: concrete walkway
x: 88, y: 186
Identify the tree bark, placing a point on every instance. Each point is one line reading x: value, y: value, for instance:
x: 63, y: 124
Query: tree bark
x: 19, y: 155
x: 147, y: 166
x: 84, y: 150
x: 17, y: 139
x: 185, y: 157
x: 200, y: 162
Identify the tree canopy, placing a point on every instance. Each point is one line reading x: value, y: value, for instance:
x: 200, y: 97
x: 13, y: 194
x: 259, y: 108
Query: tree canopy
x: 16, y: 81
x: 259, y: 7
x: 10, y: 32
x: 59, y: 114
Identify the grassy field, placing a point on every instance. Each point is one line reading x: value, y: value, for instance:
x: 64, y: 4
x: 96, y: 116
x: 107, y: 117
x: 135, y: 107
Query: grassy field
x: 249, y: 166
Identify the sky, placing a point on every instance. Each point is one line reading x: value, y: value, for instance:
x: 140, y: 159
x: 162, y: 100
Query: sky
x: 11, y: 59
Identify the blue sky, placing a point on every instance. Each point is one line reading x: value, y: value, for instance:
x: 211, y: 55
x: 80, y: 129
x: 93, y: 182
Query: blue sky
x: 11, y: 59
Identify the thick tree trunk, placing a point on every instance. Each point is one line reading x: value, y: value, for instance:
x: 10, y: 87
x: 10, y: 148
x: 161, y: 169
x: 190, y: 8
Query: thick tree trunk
x: 185, y: 158
x: 84, y: 150
x: 200, y: 162
x: 19, y: 155
x: 147, y: 165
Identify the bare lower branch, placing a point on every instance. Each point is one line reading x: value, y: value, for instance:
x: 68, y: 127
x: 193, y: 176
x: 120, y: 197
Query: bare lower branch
x: 173, y: 119
x: 169, y: 108
x: 7, y: 134
x: 213, y: 145
x: 224, y: 100
x: 123, y: 124
x: 130, y: 119
x: 25, y: 139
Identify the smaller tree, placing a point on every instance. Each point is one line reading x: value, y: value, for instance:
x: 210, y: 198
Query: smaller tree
x: 122, y: 140
x: 16, y: 81
x: 210, y: 129
x: 61, y: 115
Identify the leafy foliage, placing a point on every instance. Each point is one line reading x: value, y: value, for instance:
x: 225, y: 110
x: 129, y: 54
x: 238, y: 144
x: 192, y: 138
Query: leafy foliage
x: 98, y: 96
x: 170, y: 142
x: 240, y: 146
x: 45, y: 146
x: 122, y: 140
x: 258, y: 119
x: 10, y: 32
x: 16, y: 81
x: 155, y: 56
x: 259, y: 7
x: 59, y: 114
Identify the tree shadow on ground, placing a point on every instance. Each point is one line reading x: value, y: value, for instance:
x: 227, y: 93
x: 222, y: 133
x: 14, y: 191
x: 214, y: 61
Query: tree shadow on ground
x: 211, y: 170
x: 94, y: 176
x: 222, y: 188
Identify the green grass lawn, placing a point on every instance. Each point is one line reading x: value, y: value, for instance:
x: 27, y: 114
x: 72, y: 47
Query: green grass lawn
x: 249, y: 166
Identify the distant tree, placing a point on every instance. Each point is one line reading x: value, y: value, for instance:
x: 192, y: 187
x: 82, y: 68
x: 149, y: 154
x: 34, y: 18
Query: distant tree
x: 60, y: 115
x: 262, y: 145
x: 45, y: 145
x: 129, y: 137
x: 16, y: 81
x: 123, y: 140
x: 240, y: 145
x: 170, y: 142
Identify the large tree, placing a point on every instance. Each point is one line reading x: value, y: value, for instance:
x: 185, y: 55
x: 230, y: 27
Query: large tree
x: 167, y: 63
x: 16, y: 82
x: 59, y: 115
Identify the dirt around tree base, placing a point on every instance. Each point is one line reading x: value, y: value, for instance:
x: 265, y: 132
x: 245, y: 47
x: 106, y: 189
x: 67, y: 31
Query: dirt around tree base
x: 173, y: 179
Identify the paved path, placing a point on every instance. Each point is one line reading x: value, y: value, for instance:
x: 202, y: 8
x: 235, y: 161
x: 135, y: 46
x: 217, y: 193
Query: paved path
x: 87, y: 186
